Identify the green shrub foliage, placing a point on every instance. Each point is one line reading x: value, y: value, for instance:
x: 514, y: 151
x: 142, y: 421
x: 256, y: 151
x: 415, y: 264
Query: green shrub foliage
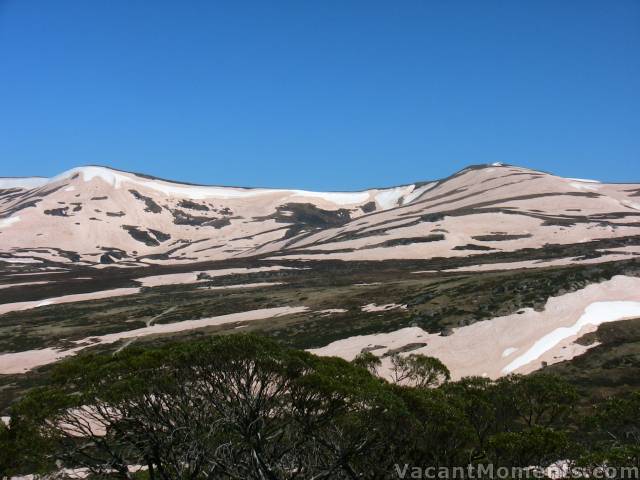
x: 244, y: 407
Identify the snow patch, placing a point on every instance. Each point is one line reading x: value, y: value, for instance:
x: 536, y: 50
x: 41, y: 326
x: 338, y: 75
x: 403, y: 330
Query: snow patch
x: 635, y: 206
x: 195, y: 192
x: 508, y: 351
x: 417, y: 193
x: 110, y: 177
x: 192, y: 277
x: 9, y: 285
x: 584, y: 180
x: 339, y: 198
x: 7, y: 222
x: 387, y: 199
x: 372, y: 307
x: 22, y: 182
x: 20, y: 260
x: 76, y: 297
x: 581, y: 186
x: 595, y: 314
x: 20, y: 362
x: 243, y: 285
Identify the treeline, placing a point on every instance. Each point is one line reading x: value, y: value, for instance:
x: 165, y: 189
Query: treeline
x: 244, y: 407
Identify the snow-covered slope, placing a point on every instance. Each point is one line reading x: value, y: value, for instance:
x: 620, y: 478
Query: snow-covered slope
x: 493, y: 208
x: 97, y: 216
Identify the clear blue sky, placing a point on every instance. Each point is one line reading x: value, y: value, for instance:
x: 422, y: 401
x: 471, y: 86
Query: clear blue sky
x: 323, y: 94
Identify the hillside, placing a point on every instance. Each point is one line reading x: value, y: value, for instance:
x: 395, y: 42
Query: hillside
x: 95, y: 216
x: 496, y: 269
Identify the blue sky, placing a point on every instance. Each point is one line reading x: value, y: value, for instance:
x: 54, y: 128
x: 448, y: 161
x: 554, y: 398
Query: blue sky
x: 323, y: 94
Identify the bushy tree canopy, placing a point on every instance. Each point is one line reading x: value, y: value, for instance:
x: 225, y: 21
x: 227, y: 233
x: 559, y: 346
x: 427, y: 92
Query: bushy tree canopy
x: 245, y: 407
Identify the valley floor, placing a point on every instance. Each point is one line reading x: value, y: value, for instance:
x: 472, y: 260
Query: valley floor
x: 488, y: 322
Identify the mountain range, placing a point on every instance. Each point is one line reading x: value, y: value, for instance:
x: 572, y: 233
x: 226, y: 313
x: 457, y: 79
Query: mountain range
x: 94, y: 216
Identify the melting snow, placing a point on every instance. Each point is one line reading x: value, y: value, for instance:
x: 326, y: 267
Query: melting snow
x: 9, y: 285
x: 22, y: 182
x: 635, y: 206
x: 7, y: 222
x: 20, y: 260
x: 20, y: 362
x: 417, y: 192
x: 372, y: 307
x: 192, y: 277
x: 595, y: 314
x: 76, y: 297
x: 196, y: 192
x: 582, y: 186
x: 243, y: 285
x: 387, y: 199
x: 584, y: 180
x: 508, y: 351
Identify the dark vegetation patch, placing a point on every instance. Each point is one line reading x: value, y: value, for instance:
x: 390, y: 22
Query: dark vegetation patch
x: 613, y: 367
x: 100, y: 198
x: 436, y: 302
x: 334, y: 419
x: 112, y: 255
x: 188, y: 204
x: 368, y: 207
x: 432, y: 217
x: 29, y: 199
x: 160, y: 236
x: 471, y: 246
x: 20, y: 206
x: 409, y: 347
x: 116, y: 214
x: 180, y: 217
x: 141, y: 235
x: 501, y: 237
x: 105, y: 258
x: 436, y: 237
x: 306, y: 217
x: 68, y: 254
x: 151, y: 205
x: 58, y: 212
x: 181, y: 244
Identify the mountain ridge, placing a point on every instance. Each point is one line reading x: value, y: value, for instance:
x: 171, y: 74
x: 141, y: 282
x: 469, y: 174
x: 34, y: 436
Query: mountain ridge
x: 102, y: 216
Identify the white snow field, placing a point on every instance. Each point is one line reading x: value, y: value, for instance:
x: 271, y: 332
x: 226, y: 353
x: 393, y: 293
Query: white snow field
x: 155, y: 221
x: 486, y: 348
x: 595, y: 314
